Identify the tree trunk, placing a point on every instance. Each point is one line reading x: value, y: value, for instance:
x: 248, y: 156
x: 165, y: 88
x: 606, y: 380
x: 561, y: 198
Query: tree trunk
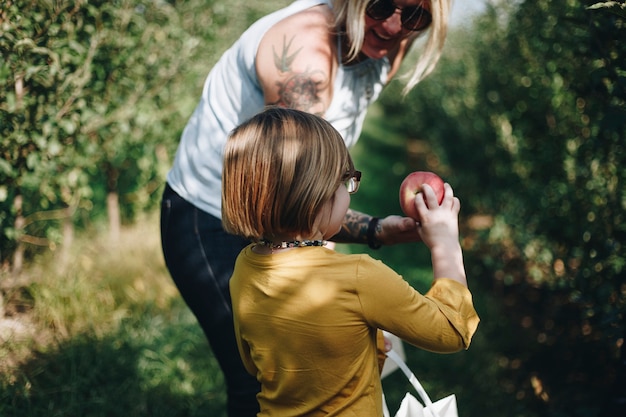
x: 68, y: 240
x: 113, y: 211
x: 18, y: 255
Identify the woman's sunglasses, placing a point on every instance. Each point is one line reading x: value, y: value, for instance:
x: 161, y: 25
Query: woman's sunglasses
x: 414, y: 18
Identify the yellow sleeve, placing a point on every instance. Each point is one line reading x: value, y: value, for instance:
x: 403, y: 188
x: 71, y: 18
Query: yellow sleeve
x: 443, y: 320
x: 455, y: 302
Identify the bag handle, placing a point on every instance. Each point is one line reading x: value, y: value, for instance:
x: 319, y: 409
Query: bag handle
x: 413, y: 380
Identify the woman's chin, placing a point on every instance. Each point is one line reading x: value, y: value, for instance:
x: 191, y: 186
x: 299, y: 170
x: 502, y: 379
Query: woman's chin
x: 375, y: 52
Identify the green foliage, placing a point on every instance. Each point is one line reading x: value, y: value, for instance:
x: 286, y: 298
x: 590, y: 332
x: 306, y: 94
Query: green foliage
x: 84, y: 102
x: 527, y: 112
x: 93, y: 97
x: 108, y: 337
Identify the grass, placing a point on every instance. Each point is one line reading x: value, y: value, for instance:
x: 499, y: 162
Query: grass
x: 109, y: 336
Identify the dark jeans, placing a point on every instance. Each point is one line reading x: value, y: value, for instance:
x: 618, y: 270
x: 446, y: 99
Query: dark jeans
x: 200, y: 257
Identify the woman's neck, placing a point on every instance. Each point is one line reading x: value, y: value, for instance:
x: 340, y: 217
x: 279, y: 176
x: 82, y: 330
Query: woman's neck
x: 344, y: 50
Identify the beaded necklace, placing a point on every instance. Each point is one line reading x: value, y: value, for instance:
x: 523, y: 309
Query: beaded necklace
x: 292, y: 243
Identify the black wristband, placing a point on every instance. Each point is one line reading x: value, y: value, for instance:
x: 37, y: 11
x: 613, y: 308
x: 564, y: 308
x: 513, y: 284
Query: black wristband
x: 372, y: 228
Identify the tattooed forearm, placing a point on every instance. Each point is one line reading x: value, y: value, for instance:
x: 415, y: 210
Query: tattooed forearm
x: 354, y: 228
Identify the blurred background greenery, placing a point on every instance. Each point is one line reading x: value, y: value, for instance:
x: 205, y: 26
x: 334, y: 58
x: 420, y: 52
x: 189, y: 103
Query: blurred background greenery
x: 525, y: 116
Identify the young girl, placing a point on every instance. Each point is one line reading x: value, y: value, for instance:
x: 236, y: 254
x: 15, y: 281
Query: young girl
x: 306, y: 317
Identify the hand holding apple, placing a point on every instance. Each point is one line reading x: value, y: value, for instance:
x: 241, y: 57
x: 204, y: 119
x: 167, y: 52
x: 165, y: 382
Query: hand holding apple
x: 412, y: 185
x: 439, y: 230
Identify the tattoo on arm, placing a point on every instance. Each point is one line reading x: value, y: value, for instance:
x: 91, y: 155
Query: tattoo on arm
x: 299, y: 90
x: 354, y: 228
x: 284, y: 60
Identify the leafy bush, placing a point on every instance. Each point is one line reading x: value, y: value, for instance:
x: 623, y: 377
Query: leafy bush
x: 93, y: 97
x: 528, y: 113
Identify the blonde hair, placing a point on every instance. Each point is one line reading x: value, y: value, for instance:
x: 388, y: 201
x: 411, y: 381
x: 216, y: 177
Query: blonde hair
x: 280, y: 168
x: 350, y: 14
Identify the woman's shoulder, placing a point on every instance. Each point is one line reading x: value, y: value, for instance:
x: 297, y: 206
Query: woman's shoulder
x: 303, y: 27
x: 300, y: 50
x: 319, y: 15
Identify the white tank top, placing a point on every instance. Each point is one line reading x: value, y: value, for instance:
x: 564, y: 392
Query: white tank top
x: 232, y: 94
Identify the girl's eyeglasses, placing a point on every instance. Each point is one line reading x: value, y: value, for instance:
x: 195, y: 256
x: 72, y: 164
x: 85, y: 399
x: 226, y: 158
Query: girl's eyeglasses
x: 352, y: 181
x: 414, y: 18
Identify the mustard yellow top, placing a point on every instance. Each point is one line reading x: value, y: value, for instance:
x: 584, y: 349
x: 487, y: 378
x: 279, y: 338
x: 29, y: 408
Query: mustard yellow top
x: 306, y: 322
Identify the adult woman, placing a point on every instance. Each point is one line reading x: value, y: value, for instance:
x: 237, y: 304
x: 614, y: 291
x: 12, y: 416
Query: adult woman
x: 331, y: 58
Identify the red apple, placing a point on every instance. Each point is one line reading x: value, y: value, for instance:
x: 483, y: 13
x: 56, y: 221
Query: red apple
x: 412, y: 185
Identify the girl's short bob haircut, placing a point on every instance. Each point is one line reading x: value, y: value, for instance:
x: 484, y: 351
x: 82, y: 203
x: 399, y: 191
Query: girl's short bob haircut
x: 280, y: 168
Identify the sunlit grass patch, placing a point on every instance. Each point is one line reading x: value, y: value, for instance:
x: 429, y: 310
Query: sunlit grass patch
x: 107, y: 335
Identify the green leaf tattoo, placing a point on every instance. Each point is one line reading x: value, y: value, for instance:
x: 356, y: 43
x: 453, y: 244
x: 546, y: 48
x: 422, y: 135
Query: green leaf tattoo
x: 283, y: 62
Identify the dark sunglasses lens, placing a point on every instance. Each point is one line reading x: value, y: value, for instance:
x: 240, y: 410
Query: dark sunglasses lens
x: 380, y: 9
x: 416, y: 18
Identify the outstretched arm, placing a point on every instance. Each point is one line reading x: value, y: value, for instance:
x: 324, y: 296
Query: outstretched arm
x: 390, y: 230
x: 439, y: 229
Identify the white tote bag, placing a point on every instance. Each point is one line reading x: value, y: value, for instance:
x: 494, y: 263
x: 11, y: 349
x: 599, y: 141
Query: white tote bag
x: 411, y: 407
